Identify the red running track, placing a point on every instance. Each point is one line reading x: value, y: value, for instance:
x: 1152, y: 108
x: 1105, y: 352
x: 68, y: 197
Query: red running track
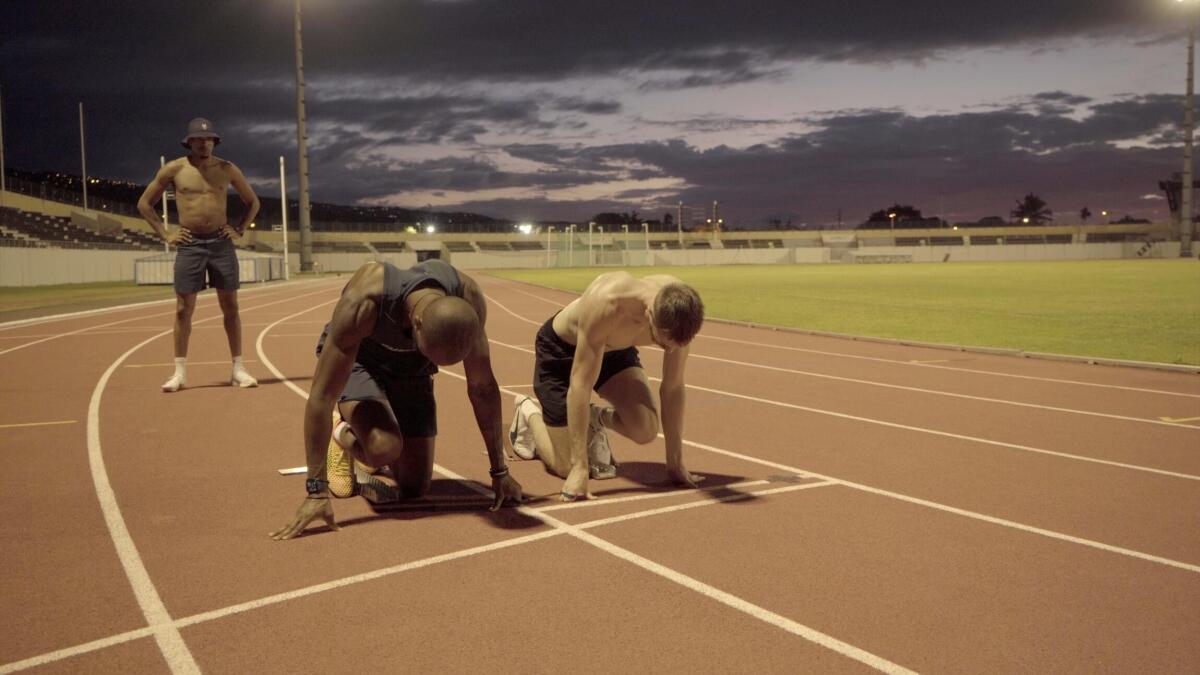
x: 865, y: 507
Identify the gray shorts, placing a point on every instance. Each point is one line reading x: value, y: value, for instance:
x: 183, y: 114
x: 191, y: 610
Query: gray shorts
x: 410, y: 396
x: 213, y: 255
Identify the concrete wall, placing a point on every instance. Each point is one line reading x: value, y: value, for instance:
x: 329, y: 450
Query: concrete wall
x: 1013, y: 253
x: 46, y: 266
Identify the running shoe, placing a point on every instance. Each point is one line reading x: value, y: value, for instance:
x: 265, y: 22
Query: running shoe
x: 339, y: 467
x: 601, y: 465
x: 520, y: 435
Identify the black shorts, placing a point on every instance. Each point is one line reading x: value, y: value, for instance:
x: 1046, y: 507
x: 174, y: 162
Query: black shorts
x: 409, y: 396
x: 213, y: 254
x: 553, y: 359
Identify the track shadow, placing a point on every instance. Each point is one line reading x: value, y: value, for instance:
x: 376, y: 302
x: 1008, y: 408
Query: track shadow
x: 651, y: 477
x: 449, y: 496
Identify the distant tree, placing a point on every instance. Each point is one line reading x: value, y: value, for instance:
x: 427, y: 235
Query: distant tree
x: 668, y: 220
x: 1084, y: 214
x: 1034, y: 208
x: 1130, y: 220
x: 609, y: 218
x: 903, y: 213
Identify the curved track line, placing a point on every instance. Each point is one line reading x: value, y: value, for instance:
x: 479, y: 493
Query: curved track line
x: 170, y: 642
x: 895, y: 361
x: 727, y: 599
x: 111, y: 323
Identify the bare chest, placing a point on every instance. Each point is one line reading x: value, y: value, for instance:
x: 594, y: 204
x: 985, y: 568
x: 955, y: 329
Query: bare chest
x: 192, y: 181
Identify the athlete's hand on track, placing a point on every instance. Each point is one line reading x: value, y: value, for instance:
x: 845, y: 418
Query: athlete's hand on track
x: 682, y: 477
x: 309, y: 511
x: 507, y: 489
x: 228, y: 232
x: 180, y: 236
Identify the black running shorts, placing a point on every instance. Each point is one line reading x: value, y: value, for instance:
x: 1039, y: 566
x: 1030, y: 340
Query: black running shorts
x: 553, y: 359
x: 409, y: 396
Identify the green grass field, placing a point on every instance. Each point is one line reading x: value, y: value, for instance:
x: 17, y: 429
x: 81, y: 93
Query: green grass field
x: 30, y: 301
x: 1142, y: 310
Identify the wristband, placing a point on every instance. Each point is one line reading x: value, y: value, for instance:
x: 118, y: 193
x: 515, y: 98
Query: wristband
x: 315, y: 485
x: 498, y: 473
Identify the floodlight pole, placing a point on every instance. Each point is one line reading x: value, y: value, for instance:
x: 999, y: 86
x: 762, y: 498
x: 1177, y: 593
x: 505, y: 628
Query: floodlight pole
x: 306, y: 263
x: 2, y: 184
x: 83, y: 155
x: 283, y: 211
x: 590, y: 259
x: 549, y: 231
x: 1185, y: 203
x: 679, y: 225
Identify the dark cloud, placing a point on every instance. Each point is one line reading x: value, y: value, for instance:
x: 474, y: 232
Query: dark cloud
x: 387, y: 75
x: 965, y: 165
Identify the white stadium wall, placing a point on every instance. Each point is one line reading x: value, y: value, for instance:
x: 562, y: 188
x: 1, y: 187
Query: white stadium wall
x: 49, y: 266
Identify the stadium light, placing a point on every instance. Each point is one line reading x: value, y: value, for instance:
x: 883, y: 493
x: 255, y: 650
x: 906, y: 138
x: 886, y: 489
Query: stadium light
x: 430, y: 229
x: 525, y: 228
x: 892, y: 219
x: 306, y: 262
x: 1185, y: 202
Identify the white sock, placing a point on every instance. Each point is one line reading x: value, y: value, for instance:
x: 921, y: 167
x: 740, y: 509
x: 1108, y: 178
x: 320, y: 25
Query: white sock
x: 237, y: 363
x: 181, y: 365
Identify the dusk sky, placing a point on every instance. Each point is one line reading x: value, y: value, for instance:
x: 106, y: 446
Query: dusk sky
x: 530, y: 109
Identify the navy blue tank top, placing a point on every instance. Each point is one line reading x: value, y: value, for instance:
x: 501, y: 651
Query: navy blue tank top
x: 391, y: 345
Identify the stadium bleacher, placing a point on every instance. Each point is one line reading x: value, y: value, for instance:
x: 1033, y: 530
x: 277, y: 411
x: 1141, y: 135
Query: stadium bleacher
x: 43, y: 230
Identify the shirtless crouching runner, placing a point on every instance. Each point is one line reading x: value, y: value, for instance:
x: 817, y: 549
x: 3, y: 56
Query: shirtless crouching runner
x: 592, y: 344
x: 203, y: 241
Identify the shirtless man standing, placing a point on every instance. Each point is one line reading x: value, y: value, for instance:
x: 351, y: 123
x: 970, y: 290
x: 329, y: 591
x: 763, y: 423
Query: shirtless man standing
x: 203, y: 241
x: 592, y: 344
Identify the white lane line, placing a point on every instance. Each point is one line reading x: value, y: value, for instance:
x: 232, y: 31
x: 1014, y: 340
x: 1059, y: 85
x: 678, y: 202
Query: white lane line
x: 955, y: 510
x: 190, y: 363
x: 170, y: 642
x: 935, y: 505
x: 166, y: 634
x: 85, y: 648
x: 709, y: 591
x: 906, y: 427
x: 111, y: 323
x: 897, y: 361
x: 605, y: 500
x: 36, y: 424
x: 935, y: 392
x: 223, y: 612
x: 741, y: 496
x: 9, y: 325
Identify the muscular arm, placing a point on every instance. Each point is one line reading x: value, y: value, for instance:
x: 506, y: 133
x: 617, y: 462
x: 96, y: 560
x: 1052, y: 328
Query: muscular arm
x: 590, y: 338
x: 249, y: 199
x: 482, y: 389
x: 151, y: 195
x: 353, y: 320
x: 672, y: 395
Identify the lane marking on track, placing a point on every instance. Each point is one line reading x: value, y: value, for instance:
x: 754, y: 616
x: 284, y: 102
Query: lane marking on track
x: 915, y: 500
x: 923, y: 430
x: 251, y: 290
x: 896, y: 361
x: 221, y: 613
x: 36, y: 424
x: 927, y: 361
x: 900, y: 387
x: 189, y: 363
x: 179, y: 658
x: 1180, y: 420
x: 114, y: 323
x: 576, y: 531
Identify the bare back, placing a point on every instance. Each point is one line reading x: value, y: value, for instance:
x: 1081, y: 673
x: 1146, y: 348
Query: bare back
x: 615, y: 306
